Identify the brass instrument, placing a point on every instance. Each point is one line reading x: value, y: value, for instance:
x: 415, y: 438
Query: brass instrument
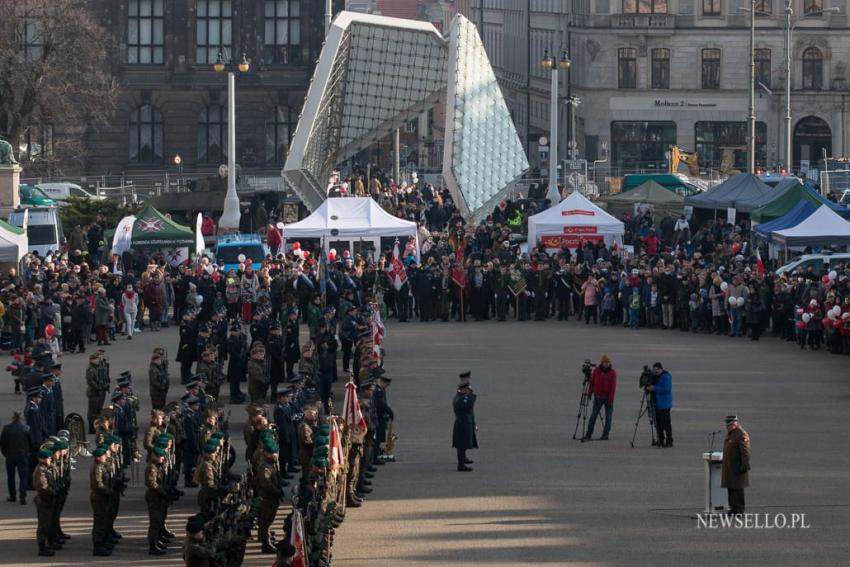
x: 389, y: 446
x: 76, y: 426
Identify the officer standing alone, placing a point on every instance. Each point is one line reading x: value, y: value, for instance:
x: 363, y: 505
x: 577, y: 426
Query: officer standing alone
x: 736, y: 464
x: 463, y: 435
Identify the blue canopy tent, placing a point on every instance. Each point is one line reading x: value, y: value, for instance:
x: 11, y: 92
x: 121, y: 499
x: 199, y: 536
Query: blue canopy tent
x: 798, y: 213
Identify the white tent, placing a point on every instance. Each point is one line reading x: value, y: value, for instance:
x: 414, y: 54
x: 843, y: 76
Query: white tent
x: 14, y: 243
x: 821, y: 228
x: 574, y: 219
x: 351, y: 220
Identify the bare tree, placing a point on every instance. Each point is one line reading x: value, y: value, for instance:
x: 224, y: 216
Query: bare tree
x: 55, y: 78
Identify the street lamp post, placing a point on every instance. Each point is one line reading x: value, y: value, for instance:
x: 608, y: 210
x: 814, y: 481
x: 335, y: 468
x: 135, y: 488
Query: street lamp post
x: 554, y: 65
x: 751, y: 116
x: 229, y: 221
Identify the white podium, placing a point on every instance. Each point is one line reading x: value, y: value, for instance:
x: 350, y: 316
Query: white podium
x: 716, y: 500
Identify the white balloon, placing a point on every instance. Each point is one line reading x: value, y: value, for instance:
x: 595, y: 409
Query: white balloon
x: 724, y: 286
x: 732, y: 301
x: 806, y: 317
x: 833, y: 274
x: 836, y: 310
x: 740, y: 301
x: 241, y: 258
x: 199, y: 299
x: 830, y: 315
x: 846, y: 315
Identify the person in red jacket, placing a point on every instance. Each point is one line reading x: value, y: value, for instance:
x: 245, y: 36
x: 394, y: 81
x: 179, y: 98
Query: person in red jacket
x: 603, y: 386
x: 274, y: 239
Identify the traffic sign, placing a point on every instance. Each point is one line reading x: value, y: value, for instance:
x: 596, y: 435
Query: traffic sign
x: 576, y: 164
x: 543, y: 141
x: 177, y: 159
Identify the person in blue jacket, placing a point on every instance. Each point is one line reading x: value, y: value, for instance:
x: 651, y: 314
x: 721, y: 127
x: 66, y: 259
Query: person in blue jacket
x: 663, y: 391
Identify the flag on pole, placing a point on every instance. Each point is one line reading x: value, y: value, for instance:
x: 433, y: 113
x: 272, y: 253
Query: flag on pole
x: 458, y: 270
x: 123, y: 239
x: 396, y: 269
x: 351, y: 413
x: 759, y: 263
x: 296, y: 539
x: 199, y: 236
x: 336, y: 458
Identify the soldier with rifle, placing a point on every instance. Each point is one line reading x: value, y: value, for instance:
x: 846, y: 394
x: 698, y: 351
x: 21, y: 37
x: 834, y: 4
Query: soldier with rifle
x: 270, y: 492
x: 118, y: 483
x: 159, y: 381
x: 44, y: 485
x: 95, y: 390
x: 101, y: 494
x: 207, y: 477
x: 209, y: 370
x: 155, y: 429
x: 192, y: 440
x: 196, y: 553
x: 155, y: 497
x: 258, y: 374
x: 61, y: 463
x: 170, y: 478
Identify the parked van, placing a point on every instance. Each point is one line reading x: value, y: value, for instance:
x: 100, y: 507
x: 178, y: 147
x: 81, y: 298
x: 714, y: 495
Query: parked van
x: 63, y: 191
x: 32, y: 195
x: 818, y: 262
x: 43, y: 227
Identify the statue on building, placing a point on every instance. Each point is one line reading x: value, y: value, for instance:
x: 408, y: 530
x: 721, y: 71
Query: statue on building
x: 7, y: 156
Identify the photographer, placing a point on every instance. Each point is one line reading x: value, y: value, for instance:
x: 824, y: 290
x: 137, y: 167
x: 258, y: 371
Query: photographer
x: 603, y: 385
x: 663, y: 392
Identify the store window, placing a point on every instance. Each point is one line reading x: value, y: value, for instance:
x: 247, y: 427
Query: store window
x: 812, y: 69
x: 711, y: 68
x: 723, y: 145
x: 627, y: 68
x: 641, y: 145
x: 661, y: 68
x: 762, y: 57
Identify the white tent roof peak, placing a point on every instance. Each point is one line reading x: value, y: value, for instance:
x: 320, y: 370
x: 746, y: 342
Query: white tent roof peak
x: 575, y: 210
x: 350, y: 217
x: 824, y: 226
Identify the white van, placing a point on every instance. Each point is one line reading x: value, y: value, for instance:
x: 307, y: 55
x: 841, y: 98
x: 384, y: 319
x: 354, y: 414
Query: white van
x: 818, y: 262
x: 63, y: 191
x: 44, y: 228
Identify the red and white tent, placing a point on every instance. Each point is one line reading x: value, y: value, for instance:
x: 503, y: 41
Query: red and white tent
x: 572, y: 220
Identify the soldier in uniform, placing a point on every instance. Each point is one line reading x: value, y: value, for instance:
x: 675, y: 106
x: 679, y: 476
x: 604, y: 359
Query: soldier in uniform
x: 101, y: 494
x: 208, y: 369
x: 95, y: 392
x: 305, y: 440
x: 58, y: 395
x: 206, y: 476
x: 118, y: 482
x: 236, y: 351
x: 44, y: 485
x: 275, y: 349
x: 48, y: 404
x: 32, y: 415
x: 159, y: 381
x: 735, y: 475
x: 123, y: 425
x: 287, y: 434
x: 192, y: 441
x: 381, y: 411
x: 209, y: 426
x: 155, y: 429
x: 62, y: 484
x: 155, y: 497
x: 463, y: 435
x: 292, y: 344
x: 269, y: 489
x: 196, y: 553
x: 258, y: 376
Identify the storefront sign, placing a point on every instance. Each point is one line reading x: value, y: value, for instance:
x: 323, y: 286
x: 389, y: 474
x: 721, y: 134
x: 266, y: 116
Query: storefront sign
x: 580, y: 230
x: 571, y: 241
x: 684, y: 104
x: 578, y: 212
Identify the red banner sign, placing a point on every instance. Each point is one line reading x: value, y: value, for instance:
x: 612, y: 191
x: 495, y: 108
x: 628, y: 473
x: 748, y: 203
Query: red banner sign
x: 580, y: 230
x: 571, y: 241
x: 578, y: 212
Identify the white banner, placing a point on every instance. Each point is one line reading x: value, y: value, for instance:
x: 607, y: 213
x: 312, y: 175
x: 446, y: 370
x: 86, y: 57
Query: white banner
x: 199, y: 237
x: 176, y: 256
x: 730, y: 215
x: 123, y: 239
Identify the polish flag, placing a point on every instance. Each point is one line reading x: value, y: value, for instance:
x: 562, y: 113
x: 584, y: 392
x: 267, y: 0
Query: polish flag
x: 335, y: 457
x: 759, y: 263
x: 396, y: 270
x: 296, y: 539
x: 351, y: 414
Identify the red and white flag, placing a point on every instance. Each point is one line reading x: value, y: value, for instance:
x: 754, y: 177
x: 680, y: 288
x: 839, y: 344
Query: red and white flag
x: 759, y: 263
x: 335, y: 456
x: 296, y: 539
x: 396, y: 269
x: 351, y: 413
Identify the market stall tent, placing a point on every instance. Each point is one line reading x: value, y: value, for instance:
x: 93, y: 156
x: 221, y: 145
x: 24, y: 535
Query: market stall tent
x: 649, y: 193
x: 743, y: 191
x: 800, y: 212
x: 795, y: 194
x: 821, y: 228
x: 152, y: 229
x: 13, y: 243
x: 351, y: 220
x: 574, y: 219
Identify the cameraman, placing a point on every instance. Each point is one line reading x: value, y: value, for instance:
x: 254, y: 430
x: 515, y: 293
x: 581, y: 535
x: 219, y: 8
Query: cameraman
x: 663, y: 391
x: 603, y: 385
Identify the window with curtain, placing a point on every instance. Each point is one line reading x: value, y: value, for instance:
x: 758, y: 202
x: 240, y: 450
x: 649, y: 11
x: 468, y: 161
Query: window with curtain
x: 212, y: 134
x: 661, y: 68
x: 627, y: 68
x: 146, y: 135
x: 711, y: 7
x: 213, y: 30
x: 813, y: 7
x: 711, y: 68
x: 812, y: 69
x: 644, y: 6
x: 282, y: 34
x: 762, y: 59
x: 278, y: 134
x: 145, y: 32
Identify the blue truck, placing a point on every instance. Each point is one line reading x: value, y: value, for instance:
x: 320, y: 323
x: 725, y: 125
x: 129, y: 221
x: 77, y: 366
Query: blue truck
x: 233, y: 249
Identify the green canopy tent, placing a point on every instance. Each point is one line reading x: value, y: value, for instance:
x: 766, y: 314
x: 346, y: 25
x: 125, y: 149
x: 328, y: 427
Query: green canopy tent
x: 153, y: 230
x: 669, y: 181
x: 797, y: 193
x: 650, y: 193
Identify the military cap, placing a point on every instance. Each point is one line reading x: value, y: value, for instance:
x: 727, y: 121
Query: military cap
x: 193, y: 383
x: 324, y: 429
x: 377, y: 372
x: 126, y: 374
x: 272, y: 448
x: 159, y: 451
x: 116, y: 395
x: 731, y: 419
x: 123, y: 381
x: 161, y: 442
x: 274, y: 325
x: 114, y: 439
x: 168, y: 435
x: 210, y: 448
x: 254, y: 409
x: 93, y: 356
x: 47, y: 376
x: 296, y: 378
x: 98, y: 452
x: 217, y: 435
x: 192, y: 399
x: 56, y: 365
x: 465, y: 375
x: 195, y: 524
x: 284, y: 390
x: 60, y: 445
x: 45, y: 453
x: 34, y: 391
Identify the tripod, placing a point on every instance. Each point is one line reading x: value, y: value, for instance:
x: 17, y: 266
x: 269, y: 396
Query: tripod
x: 581, y: 418
x: 647, y: 407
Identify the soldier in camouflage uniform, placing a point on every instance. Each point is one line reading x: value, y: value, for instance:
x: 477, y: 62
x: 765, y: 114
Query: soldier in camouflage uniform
x: 44, y: 485
x: 101, y: 493
x: 95, y: 389
x: 159, y: 381
x: 270, y: 492
x: 206, y: 477
x: 258, y: 374
x: 155, y: 497
x: 196, y: 552
x: 155, y: 429
x: 209, y: 369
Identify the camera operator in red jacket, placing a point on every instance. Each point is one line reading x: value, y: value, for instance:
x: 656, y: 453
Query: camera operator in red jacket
x: 603, y: 386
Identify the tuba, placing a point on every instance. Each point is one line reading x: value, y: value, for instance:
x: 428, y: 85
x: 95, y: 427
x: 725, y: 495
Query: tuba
x: 76, y: 426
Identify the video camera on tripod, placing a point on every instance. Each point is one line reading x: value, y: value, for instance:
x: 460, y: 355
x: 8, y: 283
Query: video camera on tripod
x: 587, y: 369
x: 581, y: 419
x: 647, y: 403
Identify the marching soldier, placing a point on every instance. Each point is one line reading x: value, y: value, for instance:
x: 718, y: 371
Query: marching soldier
x: 269, y: 488
x: 735, y: 476
x: 196, y: 553
x: 155, y: 497
x: 43, y: 483
x: 159, y: 381
x: 95, y: 392
x: 101, y: 494
x: 258, y: 376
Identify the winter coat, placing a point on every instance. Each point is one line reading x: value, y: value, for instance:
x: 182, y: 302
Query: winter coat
x: 154, y: 299
x: 718, y: 301
x: 101, y: 310
x: 736, y: 459
x: 664, y: 391
x: 463, y: 434
x: 603, y: 384
x: 130, y: 302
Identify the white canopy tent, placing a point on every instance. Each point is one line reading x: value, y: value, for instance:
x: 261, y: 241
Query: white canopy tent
x: 14, y: 243
x: 351, y: 220
x: 823, y: 227
x: 574, y: 219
